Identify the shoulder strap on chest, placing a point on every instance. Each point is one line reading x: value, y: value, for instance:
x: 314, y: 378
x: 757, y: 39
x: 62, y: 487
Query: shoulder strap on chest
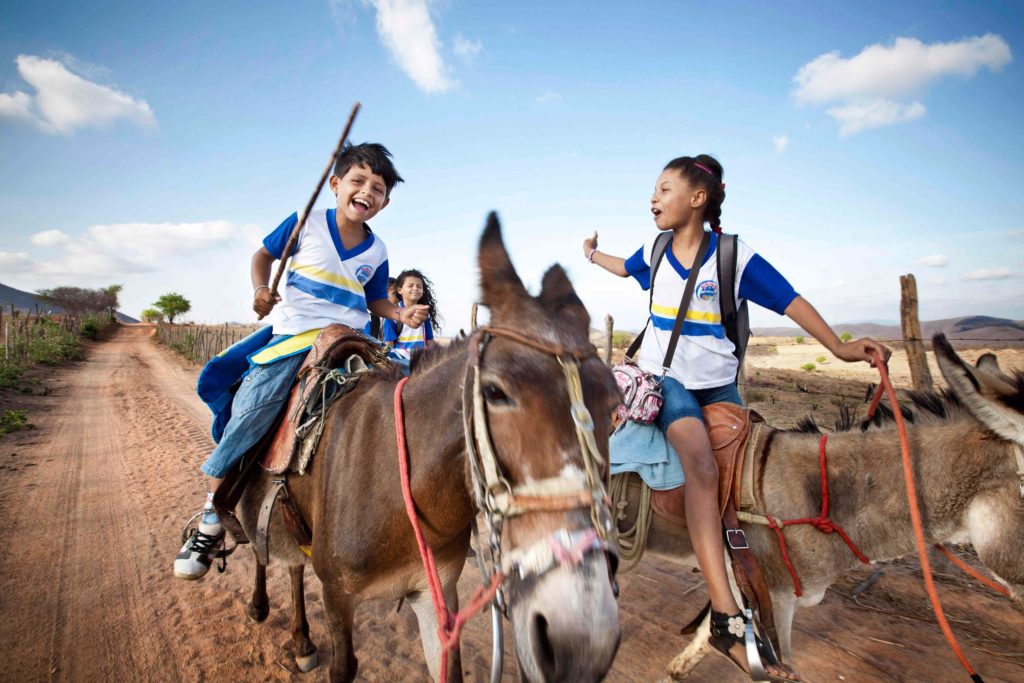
x: 657, y: 254
x: 735, y: 320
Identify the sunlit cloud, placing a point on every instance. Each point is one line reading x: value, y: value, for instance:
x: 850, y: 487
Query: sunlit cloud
x: 989, y: 274
x: 934, y: 261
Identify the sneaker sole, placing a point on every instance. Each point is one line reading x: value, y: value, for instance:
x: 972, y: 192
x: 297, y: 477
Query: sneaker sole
x: 187, y: 577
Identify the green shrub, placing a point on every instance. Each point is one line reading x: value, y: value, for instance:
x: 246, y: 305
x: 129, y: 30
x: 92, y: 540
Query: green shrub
x: 821, y: 360
x: 14, y: 420
x: 800, y: 340
x: 90, y: 328
x: 10, y: 373
x: 809, y: 367
x: 845, y: 337
x: 622, y: 340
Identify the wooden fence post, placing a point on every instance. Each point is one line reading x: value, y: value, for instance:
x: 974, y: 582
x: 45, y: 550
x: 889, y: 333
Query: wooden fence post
x: 472, y: 318
x: 609, y: 326
x: 920, y: 375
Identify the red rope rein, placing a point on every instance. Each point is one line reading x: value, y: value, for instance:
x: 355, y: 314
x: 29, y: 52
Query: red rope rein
x: 449, y: 626
x: 915, y: 517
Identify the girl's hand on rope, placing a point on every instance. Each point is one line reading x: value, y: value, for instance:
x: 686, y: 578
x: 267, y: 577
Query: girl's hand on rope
x: 589, y: 245
x: 413, y: 316
x: 863, y: 349
x: 263, y: 301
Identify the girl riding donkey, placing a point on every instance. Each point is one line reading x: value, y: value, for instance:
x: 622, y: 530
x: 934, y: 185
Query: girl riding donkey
x: 337, y: 274
x: 703, y: 368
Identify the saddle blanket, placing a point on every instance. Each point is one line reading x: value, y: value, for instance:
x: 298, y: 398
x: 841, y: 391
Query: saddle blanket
x: 643, y: 449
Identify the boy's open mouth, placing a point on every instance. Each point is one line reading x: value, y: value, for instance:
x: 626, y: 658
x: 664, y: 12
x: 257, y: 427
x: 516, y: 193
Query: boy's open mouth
x: 362, y: 204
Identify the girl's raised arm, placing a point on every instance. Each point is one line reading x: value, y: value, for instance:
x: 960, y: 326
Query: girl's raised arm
x: 613, y: 264
x: 806, y: 316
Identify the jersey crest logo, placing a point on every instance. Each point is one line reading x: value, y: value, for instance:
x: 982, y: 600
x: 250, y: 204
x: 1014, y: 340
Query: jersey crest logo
x: 707, y: 291
x: 363, y: 273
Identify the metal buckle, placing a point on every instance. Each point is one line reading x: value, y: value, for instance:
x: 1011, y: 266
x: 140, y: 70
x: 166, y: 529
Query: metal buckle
x: 741, y: 538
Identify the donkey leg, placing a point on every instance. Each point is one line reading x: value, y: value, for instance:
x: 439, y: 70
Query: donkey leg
x: 305, y: 651
x: 423, y: 605
x: 340, y: 609
x: 997, y: 535
x: 259, y: 606
x: 687, y: 660
x: 784, y: 606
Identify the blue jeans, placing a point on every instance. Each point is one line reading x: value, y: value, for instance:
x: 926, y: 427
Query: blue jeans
x: 681, y: 402
x: 256, y: 405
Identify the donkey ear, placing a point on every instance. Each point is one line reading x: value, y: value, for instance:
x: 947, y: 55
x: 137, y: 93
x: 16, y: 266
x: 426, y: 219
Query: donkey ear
x: 989, y: 364
x: 500, y: 286
x: 558, y: 297
x: 993, y: 402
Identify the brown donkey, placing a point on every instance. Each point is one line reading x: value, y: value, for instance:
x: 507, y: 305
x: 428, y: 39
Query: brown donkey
x: 549, y: 508
x: 968, y: 451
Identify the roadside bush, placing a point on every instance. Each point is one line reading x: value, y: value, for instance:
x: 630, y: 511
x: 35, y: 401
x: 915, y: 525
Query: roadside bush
x: 13, y: 421
x: 845, y: 337
x: 809, y: 367
x: 10, y: 373
x: 800, y: 340
x: 622, y: 340
x: 821, y: 360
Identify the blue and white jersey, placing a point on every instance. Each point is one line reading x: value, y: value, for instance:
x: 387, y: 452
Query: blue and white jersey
x: 704, y: 355
x: 327, y: 283
x: 409, y: 339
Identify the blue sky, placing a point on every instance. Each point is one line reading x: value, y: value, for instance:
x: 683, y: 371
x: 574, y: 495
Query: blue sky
x: 154, y: 144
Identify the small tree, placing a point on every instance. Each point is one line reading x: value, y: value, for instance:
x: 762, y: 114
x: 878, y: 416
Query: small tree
x: 800, y: 340
x: 152, y: 315
x: 79, y: 300
x: 172, y: 304
x: 845, y: 337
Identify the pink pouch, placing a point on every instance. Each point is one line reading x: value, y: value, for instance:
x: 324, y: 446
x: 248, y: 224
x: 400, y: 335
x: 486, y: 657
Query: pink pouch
x: 641, y: 393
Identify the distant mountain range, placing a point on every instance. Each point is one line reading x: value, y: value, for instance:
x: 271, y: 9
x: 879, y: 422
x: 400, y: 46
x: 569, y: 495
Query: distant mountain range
x: 966, y: 328
x: 27, y: 301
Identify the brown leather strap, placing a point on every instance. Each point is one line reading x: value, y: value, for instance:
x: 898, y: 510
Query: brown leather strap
x: 553, y: 348
x: 297, y: 526
x: 750, y: 579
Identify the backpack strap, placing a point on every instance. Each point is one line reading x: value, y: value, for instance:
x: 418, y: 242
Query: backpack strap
x: 735, y: 320
x: 684, y: 303
x: 661, y: 243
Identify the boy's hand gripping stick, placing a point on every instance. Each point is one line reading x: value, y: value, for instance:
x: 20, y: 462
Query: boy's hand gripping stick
x: 293, y: 238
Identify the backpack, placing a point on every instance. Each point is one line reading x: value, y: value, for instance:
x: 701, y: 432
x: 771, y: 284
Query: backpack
x: 736, y: 321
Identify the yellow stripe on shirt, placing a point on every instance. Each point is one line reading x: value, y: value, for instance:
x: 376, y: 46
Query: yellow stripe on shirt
x: 328, y: 276
x: 703, y: 316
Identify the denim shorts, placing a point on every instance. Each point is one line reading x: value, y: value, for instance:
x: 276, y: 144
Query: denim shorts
x: 681, y: 402
x: 256, y: 406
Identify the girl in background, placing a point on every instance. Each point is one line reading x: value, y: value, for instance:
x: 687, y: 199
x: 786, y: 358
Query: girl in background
x: 413, y: 288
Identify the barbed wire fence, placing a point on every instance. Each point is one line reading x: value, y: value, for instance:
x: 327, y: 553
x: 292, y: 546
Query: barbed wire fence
x: 200, y: 343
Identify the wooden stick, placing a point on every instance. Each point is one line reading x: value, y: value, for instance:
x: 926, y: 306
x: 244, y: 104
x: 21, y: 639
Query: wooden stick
x: 293, y: 238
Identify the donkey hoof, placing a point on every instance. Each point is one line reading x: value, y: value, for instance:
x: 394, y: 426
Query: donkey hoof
x: 258, y: 612
x: 306, y: 663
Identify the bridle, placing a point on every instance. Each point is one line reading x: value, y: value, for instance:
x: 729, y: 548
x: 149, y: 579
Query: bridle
x: 500, y: 500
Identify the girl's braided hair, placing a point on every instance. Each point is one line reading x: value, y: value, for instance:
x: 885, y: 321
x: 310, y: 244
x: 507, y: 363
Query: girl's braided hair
x: 704, y: 171
x: 428, y: 294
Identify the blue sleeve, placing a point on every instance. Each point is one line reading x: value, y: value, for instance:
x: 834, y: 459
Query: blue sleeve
x: 638, y: 268
x: 390, y: 331
x: 765, y: 286
x: 428, y: 329
x: 275, y: 241
x: 376, y: 287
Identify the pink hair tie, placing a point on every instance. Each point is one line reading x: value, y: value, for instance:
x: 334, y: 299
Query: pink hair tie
x: 704, y: 168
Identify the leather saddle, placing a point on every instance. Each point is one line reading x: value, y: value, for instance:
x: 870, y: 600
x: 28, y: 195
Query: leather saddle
x: 332, y: 349
x: 730, y: 428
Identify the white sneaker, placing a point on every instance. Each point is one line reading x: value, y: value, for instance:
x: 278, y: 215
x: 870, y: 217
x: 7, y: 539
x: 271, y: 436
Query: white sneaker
x: 199, y: 551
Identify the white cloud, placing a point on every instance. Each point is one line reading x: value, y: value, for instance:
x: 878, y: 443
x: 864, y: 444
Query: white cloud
x: 50, y: 238
x: 900, y: 70
x: 123, y: 248
x: 549, y: 97
x: 16, y: 262
x: 874, y: 86
x: 856, y: 117
x: 465, y: 48
x: 989, y: 274
x: 406, y: 29
x: 65, y: 102
x: 934, y: 261
x: 781, y: 142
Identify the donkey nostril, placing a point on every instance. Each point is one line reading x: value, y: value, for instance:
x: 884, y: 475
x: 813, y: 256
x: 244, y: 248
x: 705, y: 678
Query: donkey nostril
x: 543, y: 649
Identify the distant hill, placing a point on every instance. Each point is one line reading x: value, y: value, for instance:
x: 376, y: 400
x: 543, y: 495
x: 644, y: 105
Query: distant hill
x: 970, y: 327
x: 27, y: 301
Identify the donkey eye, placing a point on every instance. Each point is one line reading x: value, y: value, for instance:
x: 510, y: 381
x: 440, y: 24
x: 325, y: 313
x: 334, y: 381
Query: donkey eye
x: 493, y: 394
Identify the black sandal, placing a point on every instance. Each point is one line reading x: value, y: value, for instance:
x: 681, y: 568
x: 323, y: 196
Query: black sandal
x: 728, y: 630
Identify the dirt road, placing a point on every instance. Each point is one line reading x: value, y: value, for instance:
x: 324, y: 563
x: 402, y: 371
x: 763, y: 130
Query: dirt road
x: 93, y: 499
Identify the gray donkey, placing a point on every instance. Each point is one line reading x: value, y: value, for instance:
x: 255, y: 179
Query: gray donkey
x: 968, y: 451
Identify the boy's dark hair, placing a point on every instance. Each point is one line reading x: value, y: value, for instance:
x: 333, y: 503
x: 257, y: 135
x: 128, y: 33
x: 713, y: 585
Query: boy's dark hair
x: 428, y: 294
x: 704, y: 171
x: 374, y: 156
